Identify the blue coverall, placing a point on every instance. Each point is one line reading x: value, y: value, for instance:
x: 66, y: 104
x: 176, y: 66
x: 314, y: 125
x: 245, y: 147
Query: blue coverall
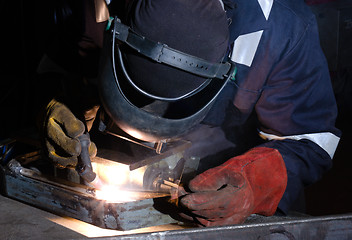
x: 283, y: 79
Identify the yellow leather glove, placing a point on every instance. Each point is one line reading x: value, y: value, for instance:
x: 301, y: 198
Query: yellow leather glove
x: 61, y: 132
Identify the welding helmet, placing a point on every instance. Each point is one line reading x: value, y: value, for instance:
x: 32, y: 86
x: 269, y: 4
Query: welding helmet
x: 163, y: 66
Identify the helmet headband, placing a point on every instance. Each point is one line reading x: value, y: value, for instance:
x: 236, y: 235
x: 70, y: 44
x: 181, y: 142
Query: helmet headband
x: 161, y: 53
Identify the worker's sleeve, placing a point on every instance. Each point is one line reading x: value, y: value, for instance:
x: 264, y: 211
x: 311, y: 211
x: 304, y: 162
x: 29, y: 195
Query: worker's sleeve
x: 282, y: 76
x: 297, y: 111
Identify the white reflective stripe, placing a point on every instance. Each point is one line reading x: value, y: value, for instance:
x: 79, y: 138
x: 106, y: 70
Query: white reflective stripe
x: 222, y: 5
x: 245, y: 47
x: 266, y: 7
x: 325, y: 140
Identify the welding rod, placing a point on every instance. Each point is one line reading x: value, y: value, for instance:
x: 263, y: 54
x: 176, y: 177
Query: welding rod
x: 176, y: 190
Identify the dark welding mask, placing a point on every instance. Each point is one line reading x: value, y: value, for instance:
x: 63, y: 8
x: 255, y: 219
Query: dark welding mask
x: 152, y: 90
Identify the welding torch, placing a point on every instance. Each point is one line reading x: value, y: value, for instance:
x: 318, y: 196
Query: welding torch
x: 84, y: 165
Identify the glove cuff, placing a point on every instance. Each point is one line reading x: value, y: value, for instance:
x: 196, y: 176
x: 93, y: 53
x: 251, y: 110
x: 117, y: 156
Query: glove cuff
x: 265, y: 171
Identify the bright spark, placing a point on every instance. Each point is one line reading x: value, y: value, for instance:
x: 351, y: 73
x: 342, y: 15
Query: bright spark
x: 114, y: 194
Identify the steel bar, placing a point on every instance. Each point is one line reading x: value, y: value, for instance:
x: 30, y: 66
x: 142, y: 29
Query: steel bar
x: 264, y: 228
x: 74, y: 202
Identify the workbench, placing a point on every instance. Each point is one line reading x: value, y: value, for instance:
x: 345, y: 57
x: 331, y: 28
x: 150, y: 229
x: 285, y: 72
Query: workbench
x: 20, y: 221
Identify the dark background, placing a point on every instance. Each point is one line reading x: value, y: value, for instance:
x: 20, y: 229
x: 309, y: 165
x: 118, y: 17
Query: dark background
x: 333, y: 194
x: 26, y: 27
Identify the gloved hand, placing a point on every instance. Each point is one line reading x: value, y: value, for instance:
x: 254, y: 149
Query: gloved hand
x: 61, y: 132
x: 250, y: 183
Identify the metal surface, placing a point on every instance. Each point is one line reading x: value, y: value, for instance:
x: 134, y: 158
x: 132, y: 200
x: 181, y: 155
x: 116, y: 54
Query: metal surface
x: 122, y: 203
x: 135, y: 155
x: 78, y: 201
x: 337, y: 227
x: 20, y: 221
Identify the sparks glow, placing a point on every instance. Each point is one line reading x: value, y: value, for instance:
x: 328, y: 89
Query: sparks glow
x: 119, y: 184
x: 136, y: 176
x: 118, y: 175
x: 114, y: 194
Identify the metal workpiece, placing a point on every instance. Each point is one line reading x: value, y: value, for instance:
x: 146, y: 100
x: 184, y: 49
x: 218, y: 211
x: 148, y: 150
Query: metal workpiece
x: 14, y: 166
x: 16, y: 169
x: 137, y: 184
x: 80, y: 202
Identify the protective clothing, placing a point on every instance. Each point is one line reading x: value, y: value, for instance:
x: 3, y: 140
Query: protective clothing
x: 250, y: 183
x: 61, y: 130
x: 153, y: 60
x: 283, y: 82
x: 151, y: 119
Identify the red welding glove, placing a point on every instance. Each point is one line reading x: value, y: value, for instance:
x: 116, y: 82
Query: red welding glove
x: 61, y: 132
x: 250, y: 183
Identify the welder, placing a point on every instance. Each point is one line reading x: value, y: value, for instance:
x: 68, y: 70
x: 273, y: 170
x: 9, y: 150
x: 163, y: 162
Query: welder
x: 244, y: 80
